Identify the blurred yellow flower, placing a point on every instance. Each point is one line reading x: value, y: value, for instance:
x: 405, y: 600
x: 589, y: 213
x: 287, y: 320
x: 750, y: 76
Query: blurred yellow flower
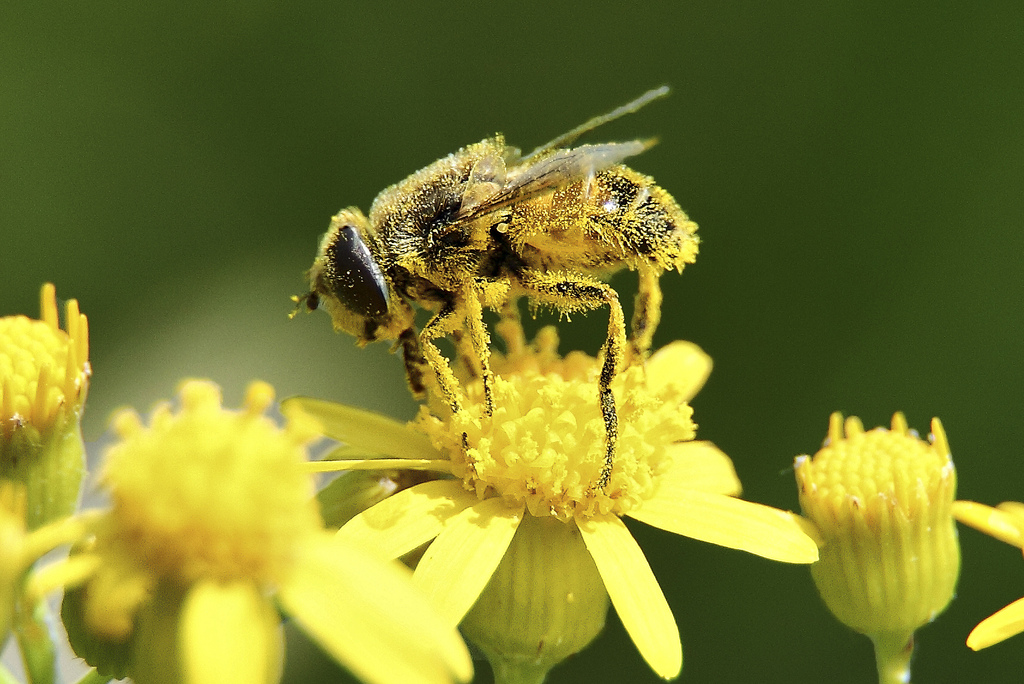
x: 526, y: 476
x: 1006, y: 523
x: 890, y: 559
x: 44, y: 377
x: 212, y: 527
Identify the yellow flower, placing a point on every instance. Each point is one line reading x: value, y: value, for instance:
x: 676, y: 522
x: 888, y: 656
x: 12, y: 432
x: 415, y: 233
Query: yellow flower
x: 524, y: 479
x: 1006, y: 523
x: 882, y: 501
x: 212, y: 527
x: 44, y: 377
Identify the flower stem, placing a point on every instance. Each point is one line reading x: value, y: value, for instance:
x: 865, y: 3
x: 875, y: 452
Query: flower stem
x: 31, y: 625
x: 510, y: 671
x: 892, y: 656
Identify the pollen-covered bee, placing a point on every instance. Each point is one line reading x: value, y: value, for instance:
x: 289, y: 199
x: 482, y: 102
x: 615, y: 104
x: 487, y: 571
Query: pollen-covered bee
x: 486, y: 226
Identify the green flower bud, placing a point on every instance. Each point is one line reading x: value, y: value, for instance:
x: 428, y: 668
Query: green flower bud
x: 882, y: 501
x: 44, y: 377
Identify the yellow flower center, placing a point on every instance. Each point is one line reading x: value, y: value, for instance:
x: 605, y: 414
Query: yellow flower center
x: 544, y: 444
x: 209, y: 492
x: 894, y: 465
x: 42, y: 368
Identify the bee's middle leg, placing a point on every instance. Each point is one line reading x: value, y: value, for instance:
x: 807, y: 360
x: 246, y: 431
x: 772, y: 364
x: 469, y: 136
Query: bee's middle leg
x: 466, y: 353
x: 481, y: 342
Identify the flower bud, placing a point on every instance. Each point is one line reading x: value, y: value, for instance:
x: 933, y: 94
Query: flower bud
x: 882, y: 501
x: 44, y: 376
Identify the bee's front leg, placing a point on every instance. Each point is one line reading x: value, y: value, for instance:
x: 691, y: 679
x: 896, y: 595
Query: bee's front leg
x: 415, y: 363
x: 439, y: 326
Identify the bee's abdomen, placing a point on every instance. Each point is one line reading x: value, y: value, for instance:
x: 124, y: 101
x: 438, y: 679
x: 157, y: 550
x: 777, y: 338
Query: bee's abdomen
x: 646, y: 218
x: 619, y: 218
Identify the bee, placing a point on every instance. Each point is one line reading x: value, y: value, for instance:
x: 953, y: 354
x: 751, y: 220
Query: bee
x: 486, y: 226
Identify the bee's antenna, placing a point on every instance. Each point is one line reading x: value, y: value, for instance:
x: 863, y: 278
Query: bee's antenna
x: 590, y: 125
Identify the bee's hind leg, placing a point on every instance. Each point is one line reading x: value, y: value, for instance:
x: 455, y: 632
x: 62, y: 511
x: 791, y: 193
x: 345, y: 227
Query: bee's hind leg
x: 578, y: 293
x: 510, y: 328
x: 646, y: 315
x: 612, y: 353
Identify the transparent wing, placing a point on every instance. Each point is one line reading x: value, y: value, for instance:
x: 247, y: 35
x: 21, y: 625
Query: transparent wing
x: 550, y: 172
x: 548, y: 167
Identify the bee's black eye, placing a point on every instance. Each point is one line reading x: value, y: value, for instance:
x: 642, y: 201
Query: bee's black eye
x: 356, y: 279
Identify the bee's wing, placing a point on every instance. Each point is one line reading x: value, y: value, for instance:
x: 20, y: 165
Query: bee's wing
x: 553, y: 171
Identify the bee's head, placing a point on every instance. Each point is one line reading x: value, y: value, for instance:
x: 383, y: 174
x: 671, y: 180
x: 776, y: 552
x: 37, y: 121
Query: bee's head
x: 347, y: 282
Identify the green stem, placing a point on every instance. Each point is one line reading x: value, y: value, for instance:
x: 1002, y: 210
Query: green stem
x: 31, y: 626
x: 892, y: 656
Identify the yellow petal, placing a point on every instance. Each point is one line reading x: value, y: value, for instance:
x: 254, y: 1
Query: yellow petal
x: 700, y: 466
x: 365, y: 613
x: 460, y: 562
x: 1014, y: 508
x: 230, y: 633
x: 730, y: 522
x: 1002, y: 625
x: 635, y: 593
x: 682, y: 365
x: 363, y: 431
x: 410, y: 518
x: 994, y: 522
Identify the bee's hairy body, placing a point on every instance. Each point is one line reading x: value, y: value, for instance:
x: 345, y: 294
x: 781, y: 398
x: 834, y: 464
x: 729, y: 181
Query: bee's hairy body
x: 484, y: 227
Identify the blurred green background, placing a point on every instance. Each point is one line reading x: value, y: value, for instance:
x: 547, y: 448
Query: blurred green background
x: 857, y: 171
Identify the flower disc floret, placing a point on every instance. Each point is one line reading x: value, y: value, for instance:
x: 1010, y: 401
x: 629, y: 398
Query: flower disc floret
x: 544, y: 443
x: 208, y: 492
x: 43, y: 369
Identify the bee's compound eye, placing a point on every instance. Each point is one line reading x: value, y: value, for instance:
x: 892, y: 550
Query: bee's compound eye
x: 312, y: 301
x: 357, y: 280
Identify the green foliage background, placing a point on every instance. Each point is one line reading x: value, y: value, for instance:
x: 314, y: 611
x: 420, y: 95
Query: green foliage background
x: 857, y: 171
